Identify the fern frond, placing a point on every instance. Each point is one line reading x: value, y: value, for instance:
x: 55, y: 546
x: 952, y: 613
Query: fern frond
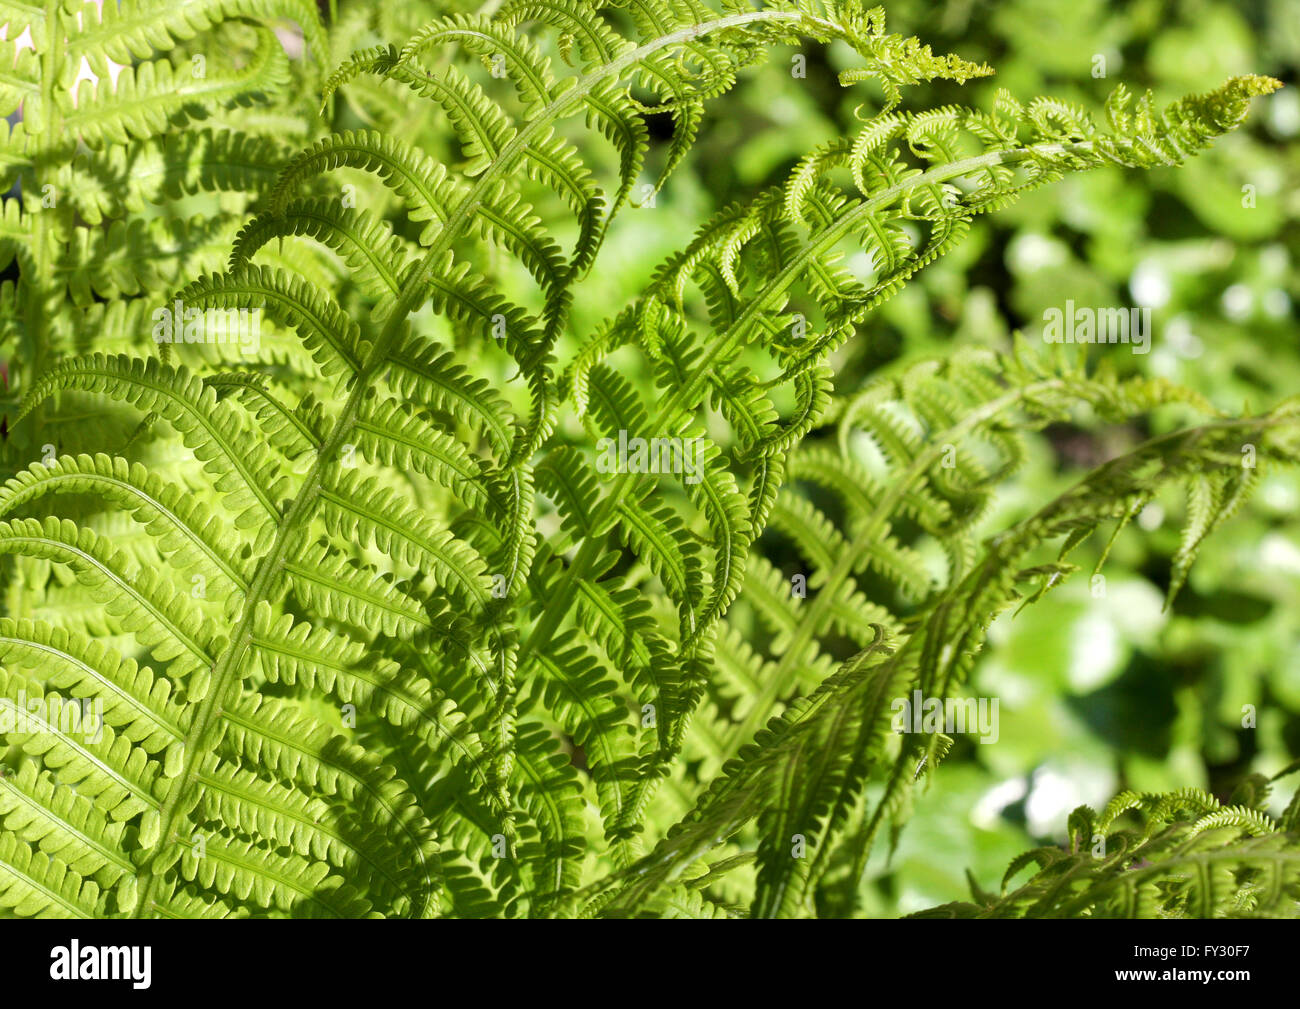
x: 382, y: 628
x: 1225, y: 863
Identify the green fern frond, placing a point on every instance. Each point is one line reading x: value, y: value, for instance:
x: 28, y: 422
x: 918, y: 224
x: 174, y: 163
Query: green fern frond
x: 1230, y: 862
x: 430, y: 608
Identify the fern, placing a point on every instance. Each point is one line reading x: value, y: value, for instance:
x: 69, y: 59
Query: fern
x: 380, y: 629
x: 119, y: 111
x: 1187, y: 857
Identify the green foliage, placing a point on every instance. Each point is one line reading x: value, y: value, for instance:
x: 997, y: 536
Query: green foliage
x: 1188, y: 857
x: 440, y: 604
x: 146, y: 132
